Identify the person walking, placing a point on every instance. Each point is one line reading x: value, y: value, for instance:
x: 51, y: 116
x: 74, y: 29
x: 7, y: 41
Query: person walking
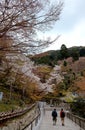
x: 62, y: 116
x: 54, y: 116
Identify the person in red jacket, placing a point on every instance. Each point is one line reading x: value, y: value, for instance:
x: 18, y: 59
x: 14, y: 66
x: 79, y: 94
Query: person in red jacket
x: 62, y: 116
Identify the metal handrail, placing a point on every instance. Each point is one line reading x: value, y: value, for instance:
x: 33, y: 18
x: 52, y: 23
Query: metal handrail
x: 31, y: 123
x: 78, y: 120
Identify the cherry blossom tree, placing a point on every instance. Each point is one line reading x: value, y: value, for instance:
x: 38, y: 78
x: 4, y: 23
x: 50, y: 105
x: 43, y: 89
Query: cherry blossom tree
x: 20, y: 23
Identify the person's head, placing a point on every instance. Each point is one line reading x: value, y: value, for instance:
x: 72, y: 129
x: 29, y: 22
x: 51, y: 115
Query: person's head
x: 54, y: 109
x: 61, y: 109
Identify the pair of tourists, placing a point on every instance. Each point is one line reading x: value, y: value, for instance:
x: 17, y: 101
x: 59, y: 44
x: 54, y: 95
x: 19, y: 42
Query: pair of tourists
x: 62, y: 116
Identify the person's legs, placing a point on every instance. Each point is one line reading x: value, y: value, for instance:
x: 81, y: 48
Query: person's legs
x: 62, y: 120
x: 54, y: 121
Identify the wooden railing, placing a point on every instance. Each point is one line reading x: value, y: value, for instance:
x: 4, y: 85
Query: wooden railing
x: 9, y: 115
x: 22, y: 124
x: 76, y: 119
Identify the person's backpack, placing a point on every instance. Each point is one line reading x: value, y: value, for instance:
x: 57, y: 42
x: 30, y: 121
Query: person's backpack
x: 62, y: 114
x: 54, y: 114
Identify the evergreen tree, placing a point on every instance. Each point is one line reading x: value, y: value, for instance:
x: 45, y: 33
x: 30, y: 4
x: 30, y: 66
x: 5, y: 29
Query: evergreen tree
x: 64, y: 51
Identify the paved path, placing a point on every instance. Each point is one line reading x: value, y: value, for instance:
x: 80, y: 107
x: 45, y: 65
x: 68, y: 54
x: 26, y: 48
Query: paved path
x: 47, y: 124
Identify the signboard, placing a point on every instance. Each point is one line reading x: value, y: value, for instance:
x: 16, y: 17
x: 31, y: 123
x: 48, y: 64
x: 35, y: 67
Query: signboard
x: 1, y: 96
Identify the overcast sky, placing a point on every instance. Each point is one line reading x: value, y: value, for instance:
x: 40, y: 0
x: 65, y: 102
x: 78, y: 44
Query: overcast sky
x: 71, y: 25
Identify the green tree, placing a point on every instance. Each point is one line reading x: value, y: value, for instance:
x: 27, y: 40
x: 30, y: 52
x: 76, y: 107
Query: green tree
x: 64, y: 51
x: 75, y: 54
x: 65, y: 63
x: 82, y: 52
x: 78, y: 107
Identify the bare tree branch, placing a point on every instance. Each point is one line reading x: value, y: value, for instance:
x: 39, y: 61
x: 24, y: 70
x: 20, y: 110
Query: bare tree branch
x: 21, y: 20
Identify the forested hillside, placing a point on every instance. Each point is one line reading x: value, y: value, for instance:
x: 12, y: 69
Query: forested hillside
x: 52, y: 57
x: 72, y: 86
x: 72, y: 62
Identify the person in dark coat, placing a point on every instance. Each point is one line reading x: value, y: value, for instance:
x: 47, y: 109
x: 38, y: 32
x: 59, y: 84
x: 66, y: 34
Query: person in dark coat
x: 54, y: 116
